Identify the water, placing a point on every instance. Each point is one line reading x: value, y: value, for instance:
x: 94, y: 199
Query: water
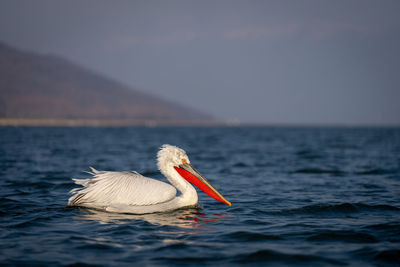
x: 311, y: 196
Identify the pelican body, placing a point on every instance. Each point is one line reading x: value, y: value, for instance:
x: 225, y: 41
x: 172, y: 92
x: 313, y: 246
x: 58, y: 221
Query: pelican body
x: 130, y: 192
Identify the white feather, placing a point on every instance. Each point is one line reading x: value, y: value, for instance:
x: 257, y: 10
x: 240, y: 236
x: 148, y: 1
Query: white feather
x: 129, y: 188
x: 130, y: 192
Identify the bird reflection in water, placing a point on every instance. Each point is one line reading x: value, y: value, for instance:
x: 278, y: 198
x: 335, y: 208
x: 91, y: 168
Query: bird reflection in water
x: 189, y: 218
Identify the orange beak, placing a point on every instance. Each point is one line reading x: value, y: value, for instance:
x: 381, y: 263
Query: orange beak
x: 190, y: 174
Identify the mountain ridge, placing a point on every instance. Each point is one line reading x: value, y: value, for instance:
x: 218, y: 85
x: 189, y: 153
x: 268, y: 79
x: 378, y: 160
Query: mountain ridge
x: 50, y: 88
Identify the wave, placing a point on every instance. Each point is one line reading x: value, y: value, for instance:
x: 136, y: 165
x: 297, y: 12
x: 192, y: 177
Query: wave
x: 28, y: 184
x: 386, y: 231
x: 375, y: 172
x: 319, y: 171
x: 170, y: 260
x: 385, y: 226
x: 240, y: 165
x: 386, y: 256
x: 308, y: 154
x: 340, y: 172
x: 99, y: 246
x: 329, y: 209
x: 266, y: 255
x: 343, y: 236
x: 246, y: 236
x: 339, y: 208
x: 259, y: 256
x: 389, y: 256
x: 173, y: 246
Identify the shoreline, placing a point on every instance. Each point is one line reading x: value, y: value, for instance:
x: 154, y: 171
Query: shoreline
x: 28, y: 122
x: 102, y: 123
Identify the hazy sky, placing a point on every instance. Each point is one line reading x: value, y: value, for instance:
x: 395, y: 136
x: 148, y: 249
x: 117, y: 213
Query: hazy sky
x: 257, y: 61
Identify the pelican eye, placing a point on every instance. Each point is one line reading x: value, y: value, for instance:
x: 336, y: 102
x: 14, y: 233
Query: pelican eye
x: 184, y: 161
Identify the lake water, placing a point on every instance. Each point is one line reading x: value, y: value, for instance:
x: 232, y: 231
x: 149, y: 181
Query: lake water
x: 300, y: 196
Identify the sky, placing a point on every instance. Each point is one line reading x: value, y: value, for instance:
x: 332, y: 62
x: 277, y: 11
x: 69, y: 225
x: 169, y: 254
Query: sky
x: 273, y: 62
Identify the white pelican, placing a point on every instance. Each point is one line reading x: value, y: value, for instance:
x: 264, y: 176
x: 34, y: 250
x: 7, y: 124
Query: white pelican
x: 130, y: 192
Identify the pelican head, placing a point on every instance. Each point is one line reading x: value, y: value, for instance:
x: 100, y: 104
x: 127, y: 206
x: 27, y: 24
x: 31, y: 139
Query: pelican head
x: 175, y: 165
x: 170, y: 156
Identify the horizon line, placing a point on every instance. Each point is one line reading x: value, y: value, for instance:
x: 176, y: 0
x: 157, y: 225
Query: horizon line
x: 42, y: 122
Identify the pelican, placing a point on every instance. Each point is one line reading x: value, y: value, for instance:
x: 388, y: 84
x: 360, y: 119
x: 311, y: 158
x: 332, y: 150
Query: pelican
x: 130, y: 192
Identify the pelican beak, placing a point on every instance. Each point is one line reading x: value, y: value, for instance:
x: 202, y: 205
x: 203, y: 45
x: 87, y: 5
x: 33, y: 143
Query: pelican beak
x: 189, y: 173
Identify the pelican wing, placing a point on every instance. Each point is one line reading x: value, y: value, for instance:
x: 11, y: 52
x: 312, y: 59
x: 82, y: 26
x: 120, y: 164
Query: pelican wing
x: 129, y: 188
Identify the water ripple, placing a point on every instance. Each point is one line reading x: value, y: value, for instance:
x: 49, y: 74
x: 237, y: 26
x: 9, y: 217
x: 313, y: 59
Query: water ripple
x: 263, y: 256
x: 300, y: 196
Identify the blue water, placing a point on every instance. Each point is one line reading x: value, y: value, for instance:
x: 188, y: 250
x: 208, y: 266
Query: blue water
x: 300, y: 196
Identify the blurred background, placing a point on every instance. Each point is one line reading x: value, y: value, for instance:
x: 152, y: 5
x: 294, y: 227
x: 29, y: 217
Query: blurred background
x: 266, y: 62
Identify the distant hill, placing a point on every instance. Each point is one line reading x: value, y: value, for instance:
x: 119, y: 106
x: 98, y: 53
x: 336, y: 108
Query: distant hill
x: 39, y: 88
